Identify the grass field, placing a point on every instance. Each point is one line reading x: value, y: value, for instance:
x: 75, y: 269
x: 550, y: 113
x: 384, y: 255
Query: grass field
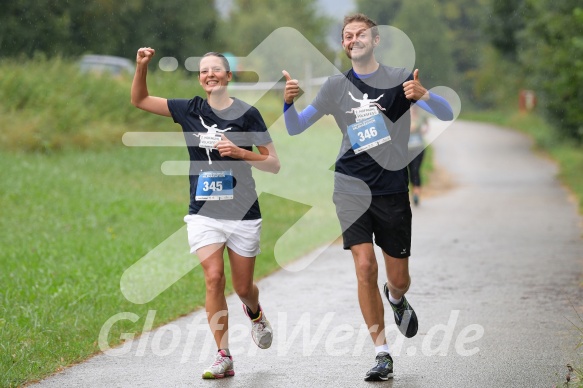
x: 72, y: 222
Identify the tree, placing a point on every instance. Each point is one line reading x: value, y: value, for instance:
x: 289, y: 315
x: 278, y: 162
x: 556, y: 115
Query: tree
x: 251, y: 22
x: 551, y: 48
x: 464, y: 24
x: 505, y: 22
x: 430, y: 39
x: 174, y: 27
x: 71, y: 28
x: 382, y: 12
x: 28, y: 26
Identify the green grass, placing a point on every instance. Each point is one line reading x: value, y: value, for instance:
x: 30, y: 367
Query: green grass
x: 49, y: 105
x: 72, y: 223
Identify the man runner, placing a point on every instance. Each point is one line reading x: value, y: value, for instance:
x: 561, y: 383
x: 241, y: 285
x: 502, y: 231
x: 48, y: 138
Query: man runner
x: 370, y: 103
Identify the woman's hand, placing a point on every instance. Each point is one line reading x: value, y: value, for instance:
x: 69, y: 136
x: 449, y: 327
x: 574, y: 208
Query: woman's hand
x: 144, y: 55
x: 265, y: 160
x: 228, y: 148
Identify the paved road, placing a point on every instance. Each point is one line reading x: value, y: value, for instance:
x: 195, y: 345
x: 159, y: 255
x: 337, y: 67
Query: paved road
x: 496, y: 265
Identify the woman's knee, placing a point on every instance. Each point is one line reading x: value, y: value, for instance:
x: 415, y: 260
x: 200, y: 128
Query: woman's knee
x: 215, y: 281
x: 244, y: 290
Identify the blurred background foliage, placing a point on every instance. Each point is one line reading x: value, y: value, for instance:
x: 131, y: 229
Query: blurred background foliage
x: 69, y: 164
x: 494, y: 48
x: 487, y: 50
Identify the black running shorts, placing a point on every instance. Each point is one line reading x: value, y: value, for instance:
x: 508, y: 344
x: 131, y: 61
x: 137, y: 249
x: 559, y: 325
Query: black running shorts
x: 387, y: 217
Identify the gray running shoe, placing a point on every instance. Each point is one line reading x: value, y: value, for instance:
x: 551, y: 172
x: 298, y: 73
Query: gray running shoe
x: 383, y: 370
x: 405, y: 316
x: 222, y: 367
x: 261, y: 330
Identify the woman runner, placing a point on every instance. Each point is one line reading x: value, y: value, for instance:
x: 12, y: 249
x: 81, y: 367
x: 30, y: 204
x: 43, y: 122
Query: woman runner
x: 224, y: 212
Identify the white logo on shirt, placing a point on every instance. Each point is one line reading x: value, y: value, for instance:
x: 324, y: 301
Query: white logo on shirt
x: 209, y: 139
x: 368, y: 107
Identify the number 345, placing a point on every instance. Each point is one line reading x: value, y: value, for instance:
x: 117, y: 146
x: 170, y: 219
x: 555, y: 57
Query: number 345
x: 212, y: 186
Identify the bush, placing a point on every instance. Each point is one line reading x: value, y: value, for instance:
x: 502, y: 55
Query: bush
x: 49, y: 105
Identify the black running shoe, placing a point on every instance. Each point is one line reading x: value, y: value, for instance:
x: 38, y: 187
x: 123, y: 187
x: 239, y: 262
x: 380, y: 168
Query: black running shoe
x: 383, y: 370
x: 405, y: 316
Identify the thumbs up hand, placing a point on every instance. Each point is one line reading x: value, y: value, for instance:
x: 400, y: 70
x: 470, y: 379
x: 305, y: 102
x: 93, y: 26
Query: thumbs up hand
x: 414, y: 90
x: 292, y: 88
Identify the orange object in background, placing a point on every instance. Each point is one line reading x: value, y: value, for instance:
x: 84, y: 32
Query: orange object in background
x: 526, y: 100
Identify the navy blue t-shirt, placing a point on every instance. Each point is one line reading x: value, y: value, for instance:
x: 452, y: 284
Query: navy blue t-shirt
x: 383, y: 169
x: 242, y: 124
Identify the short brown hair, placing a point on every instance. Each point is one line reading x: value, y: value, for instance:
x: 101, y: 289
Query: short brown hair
x: 360, y: 17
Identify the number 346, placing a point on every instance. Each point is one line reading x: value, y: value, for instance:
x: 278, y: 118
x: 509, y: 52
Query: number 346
x: 369, y: 133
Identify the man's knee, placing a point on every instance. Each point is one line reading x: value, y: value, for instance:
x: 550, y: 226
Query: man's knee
x: 400, y: 283
x: 366, y: 270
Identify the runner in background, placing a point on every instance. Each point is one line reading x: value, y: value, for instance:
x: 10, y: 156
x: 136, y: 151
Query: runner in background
x: 416, y: 146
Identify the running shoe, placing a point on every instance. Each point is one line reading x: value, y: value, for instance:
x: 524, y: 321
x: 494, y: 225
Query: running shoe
x: 415, y: 199
x: 261, y: 330
x: 222, y: 367
x: 383, y: 370
x: 405, y: 316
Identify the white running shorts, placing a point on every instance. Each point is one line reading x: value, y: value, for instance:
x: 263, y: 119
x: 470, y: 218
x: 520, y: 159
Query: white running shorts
x: 241, y: 236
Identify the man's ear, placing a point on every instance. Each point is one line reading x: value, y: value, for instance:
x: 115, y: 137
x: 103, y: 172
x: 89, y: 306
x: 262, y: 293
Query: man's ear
x: 376, y: 40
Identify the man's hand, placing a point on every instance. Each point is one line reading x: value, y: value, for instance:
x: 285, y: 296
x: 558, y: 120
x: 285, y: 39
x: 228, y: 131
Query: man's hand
x: 144, y: 56
x: 292, y: 88
x: 414, y: 90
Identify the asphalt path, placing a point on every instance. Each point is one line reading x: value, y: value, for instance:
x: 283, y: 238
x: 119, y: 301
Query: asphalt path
x: 496, y: 267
